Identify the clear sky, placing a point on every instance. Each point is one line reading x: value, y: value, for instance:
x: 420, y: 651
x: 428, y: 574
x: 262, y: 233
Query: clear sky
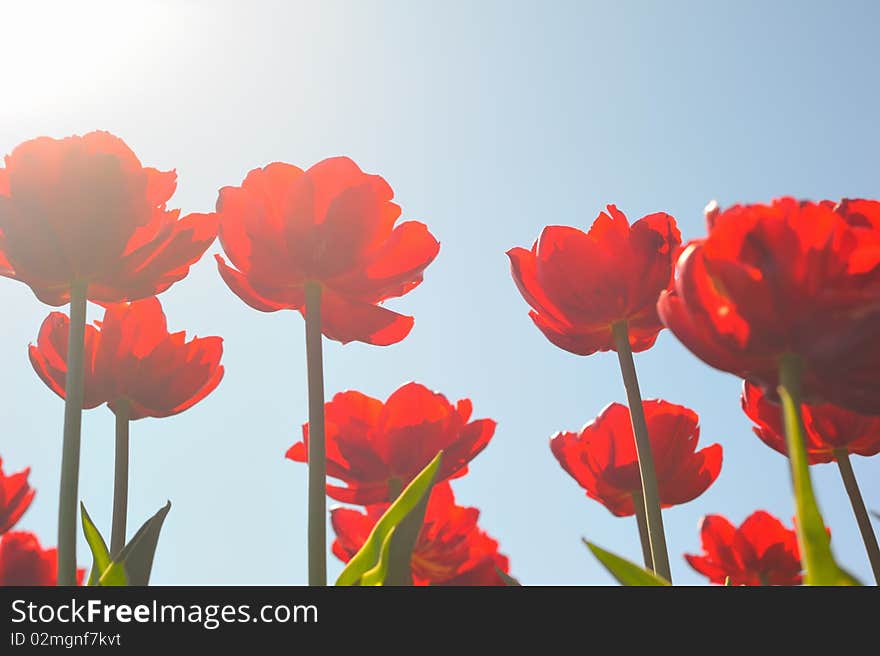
x: 490, y: 120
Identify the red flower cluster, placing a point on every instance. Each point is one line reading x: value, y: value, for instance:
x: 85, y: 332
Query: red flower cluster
x: 331, y: 224
x: 378, y: 448
x: 760, y: 552
x: 580, y: 284
x: 84, y: 208
x: 24, y: 562
x: 602, y: 457
x: 131, y: 357
x: 828, y: 427
x: 790, y: 277
x: 15, y: 497
x: 450, y: 550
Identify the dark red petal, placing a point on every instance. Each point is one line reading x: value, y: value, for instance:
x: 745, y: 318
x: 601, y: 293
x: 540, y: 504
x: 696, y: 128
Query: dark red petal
x: 573, y: 342
x: 523, y: 268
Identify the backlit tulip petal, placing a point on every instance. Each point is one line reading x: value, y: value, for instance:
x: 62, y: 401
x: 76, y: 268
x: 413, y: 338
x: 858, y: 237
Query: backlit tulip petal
x: 332, y: 224
x: 131, y: 357
x: 376, y: 448
x: 602, y: 456
x: 760, y: 552
x: 827, y: 427
x: 83, y: 207
x: 790, y: 277
x: 579, y: 284
x: 49, y: 359
x: 15, y: 497
x: 23, y: 562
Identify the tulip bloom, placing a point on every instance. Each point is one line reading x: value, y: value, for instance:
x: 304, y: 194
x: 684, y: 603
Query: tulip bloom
x: 23, y: 562
x: 332, y: 224
x: 450, y: 549
x: 15, y: 497
x: 797, y: 278
x: 580, y: 284
x: 829, y: 429
x: 787, y: 296
x: 831, y: 435
x: 378, y: 448
x: 597, y: 291
x: 322, y: 241
x: 83, y: 208
x: 132, y: 360
x: 132, y: 363
x: 602, y: 456
x: 81, y: 219
x: 760, y: 552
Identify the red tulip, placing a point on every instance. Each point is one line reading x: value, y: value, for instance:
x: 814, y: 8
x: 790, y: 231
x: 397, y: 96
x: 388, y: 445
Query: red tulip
x: 333, y: 224
x: 24, y: 562
x: 580, y: 284
x: 450, y: 550
x: 131, y: 357
x: 760, y: 552
x: 377, y: 449
x: 84, y: 208
x: 15, y: 497
x: 790, y: 277
x: 602, y: 457
x: 828, y: 427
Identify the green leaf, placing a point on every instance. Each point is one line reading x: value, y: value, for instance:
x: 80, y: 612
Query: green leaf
x: 626, y: 572
x: 100, y: 553
x: 727, y: 582
x: 820, y: 567
x: 135, y: 561
x: 507, y: 578
x: 379, y: 574
x: 373, y: 560
x: 403, y: 542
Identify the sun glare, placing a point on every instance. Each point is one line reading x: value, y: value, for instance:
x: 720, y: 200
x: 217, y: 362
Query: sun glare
x: 67, y: 53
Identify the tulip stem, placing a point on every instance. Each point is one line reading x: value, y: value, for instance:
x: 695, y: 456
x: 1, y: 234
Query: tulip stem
x: 317, y: 529
x: 859, y: 510
x: 812, y: 538
x: 642, y: 522
x: 70, y: 446
x: 120, y: 480
x: 659, y: 555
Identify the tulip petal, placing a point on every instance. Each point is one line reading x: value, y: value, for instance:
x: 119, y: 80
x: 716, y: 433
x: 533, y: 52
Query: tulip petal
x: 349, y: 321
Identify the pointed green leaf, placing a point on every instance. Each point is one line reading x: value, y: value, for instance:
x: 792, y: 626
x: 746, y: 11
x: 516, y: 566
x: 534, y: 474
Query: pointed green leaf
x: 135, y: 561
x: 371, y: 554
x: 379, y: 574
x: 403, y: 542
x: 626, y: 572
x: 507, y: 578
x: 100, y: 553
x: 820, y: 567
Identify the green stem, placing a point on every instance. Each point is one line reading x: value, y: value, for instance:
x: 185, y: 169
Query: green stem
x: 642, y: 522
x: 819, y: 565
x: 70, y: 447
x: 120, y: 480
x: 317, y: 530
x: 859, y: 510
x: 659, y: 555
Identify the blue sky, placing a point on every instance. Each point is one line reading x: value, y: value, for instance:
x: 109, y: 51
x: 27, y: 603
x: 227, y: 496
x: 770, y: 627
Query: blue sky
x: 490, y: 120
